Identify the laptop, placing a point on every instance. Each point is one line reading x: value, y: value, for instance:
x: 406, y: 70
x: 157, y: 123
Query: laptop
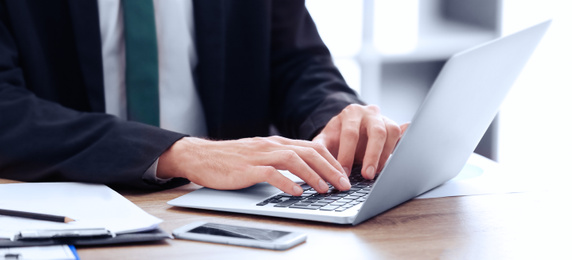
x: 447, y: 127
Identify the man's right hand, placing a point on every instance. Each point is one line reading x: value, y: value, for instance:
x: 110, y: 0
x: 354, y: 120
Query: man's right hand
x: 241, y: 163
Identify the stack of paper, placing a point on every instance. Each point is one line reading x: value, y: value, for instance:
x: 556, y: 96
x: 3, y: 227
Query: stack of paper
x: 90, y: 205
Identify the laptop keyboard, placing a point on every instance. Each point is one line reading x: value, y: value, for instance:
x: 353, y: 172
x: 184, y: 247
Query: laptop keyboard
x: 333, y: 200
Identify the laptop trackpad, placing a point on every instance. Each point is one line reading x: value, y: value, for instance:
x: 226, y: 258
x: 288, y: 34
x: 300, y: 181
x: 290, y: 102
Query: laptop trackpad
x: 210, y: 198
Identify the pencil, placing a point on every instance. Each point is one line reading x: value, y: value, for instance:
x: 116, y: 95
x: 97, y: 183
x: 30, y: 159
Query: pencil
x: 32, y: 215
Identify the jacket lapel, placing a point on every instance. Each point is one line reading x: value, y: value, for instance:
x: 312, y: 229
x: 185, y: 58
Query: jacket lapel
x: 209, y: 16
x: 85, y: 19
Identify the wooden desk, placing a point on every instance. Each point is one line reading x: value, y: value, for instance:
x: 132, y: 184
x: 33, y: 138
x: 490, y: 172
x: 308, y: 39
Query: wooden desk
x: 533, y: 225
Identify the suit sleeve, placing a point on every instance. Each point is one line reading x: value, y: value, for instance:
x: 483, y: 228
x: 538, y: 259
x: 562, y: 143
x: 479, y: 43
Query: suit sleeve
x: 308, y: 90
x: 41, y: 140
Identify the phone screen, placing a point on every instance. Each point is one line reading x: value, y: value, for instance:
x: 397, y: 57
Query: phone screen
x: 238, y: 232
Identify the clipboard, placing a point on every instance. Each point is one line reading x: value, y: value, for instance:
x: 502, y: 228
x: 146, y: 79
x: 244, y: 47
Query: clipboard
x: 102, y: 216
x: 90, y: 240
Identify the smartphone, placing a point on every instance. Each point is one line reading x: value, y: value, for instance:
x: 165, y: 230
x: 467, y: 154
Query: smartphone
x: 239, y: 235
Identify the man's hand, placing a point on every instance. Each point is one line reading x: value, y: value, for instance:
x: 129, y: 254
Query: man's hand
x: 237, y: 164
x: 360, y: 134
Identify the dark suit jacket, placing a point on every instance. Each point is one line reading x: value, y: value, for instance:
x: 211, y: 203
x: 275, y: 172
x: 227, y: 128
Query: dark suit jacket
x: 261, y: 63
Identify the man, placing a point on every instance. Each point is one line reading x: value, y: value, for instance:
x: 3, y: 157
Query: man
x: 261, y: 65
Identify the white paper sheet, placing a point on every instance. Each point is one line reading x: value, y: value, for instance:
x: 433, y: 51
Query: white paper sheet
x: 480, y: 176
x: 91, y: 205
x: 59, y: 252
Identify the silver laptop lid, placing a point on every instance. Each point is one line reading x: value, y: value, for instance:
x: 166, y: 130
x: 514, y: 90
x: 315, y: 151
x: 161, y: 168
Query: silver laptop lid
x: 457, y: 111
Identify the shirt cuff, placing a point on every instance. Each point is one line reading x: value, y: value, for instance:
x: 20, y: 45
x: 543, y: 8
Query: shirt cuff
x: 150, y: 174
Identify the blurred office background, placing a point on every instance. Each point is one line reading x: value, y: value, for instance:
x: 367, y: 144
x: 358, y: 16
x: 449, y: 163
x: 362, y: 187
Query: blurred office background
x: 391, y: 51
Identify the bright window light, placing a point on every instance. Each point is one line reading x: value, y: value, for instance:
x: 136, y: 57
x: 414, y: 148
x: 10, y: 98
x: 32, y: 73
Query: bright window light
x: 396, y: 25
x: 339, y: 23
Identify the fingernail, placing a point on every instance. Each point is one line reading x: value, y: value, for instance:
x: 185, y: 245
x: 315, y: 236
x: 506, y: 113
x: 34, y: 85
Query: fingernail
x: 370, y: 172
x: 297, y: 190
x: 344, y: 183
x: 347, y: 170
x: 323, y: 186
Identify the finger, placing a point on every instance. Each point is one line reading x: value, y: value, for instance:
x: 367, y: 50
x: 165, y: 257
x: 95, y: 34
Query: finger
x: 291, y: 161
x: 330, y: 145
x: 328, y: 137
x: 306, y: 147
x: 404, y: 127
x: 377, y: 136
x: 394, y: 133
x: 310, y: 161
x: 273, y: 177
x: 322, y: 166
x: 349, y: 138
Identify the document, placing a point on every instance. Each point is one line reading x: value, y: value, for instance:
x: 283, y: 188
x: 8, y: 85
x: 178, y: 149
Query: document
x: 90, y: 205
x: 480, y: 176
x: 59, y: 252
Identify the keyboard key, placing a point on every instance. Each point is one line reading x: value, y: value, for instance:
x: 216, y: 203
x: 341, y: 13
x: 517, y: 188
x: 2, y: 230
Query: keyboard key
x: 329, y: 208
x: 305, y: 207
x: 286, y: 203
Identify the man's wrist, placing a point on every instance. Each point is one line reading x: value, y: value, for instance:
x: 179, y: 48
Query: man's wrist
x: 150, y: 174
x: 169, y: 161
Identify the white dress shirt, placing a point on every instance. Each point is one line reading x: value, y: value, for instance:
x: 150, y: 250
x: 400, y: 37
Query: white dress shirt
x: 180, y: 107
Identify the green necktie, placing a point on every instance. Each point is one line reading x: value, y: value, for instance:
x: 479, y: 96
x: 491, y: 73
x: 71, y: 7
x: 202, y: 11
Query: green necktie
x: 141, y: 61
